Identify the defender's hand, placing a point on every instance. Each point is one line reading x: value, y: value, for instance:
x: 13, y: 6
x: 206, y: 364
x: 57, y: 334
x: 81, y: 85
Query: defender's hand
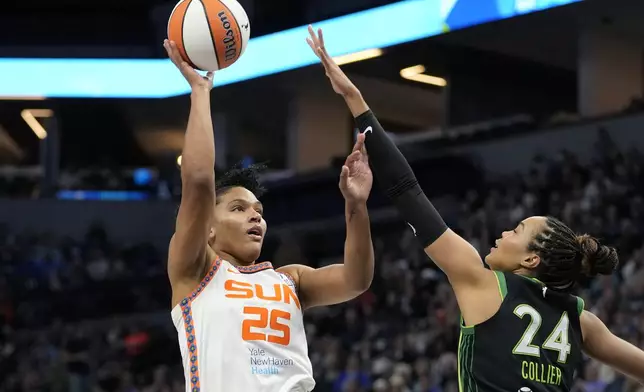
x: 196, y: 80
x: 356, y: 178
x: 340, y: 82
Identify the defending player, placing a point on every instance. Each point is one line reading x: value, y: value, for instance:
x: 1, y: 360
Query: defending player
x: 521, y: 328
x: 240, y: 322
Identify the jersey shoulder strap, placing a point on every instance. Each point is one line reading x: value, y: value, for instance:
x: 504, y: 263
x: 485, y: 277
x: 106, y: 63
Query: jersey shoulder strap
x: 580, y: 305
x: 525, y: 286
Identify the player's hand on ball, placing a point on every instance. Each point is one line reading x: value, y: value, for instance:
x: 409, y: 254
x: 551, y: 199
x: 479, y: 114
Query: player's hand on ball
x: 340, y: 82
x: 194, y: 78
x: 356, y: 178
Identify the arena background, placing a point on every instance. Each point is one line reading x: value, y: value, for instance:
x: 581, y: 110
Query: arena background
x: 505, y: 108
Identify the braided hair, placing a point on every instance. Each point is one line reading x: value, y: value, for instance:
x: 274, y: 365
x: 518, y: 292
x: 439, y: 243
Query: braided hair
x: 567, y: 257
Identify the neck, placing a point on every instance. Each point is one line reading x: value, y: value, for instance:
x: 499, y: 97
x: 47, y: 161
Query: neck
x: 524, y: 272
x: 236, y: 261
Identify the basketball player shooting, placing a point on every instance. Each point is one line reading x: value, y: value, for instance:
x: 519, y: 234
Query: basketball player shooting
x: 522, y: 328
x: 240, y: 322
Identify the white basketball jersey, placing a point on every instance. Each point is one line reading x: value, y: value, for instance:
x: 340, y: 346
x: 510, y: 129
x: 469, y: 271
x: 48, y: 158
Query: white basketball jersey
x: 241, y: 330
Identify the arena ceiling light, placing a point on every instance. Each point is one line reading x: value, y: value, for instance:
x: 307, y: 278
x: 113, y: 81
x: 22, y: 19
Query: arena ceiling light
x: 417, y: 74
x: 20, y: 98
x: 358, y: 56
x: 380, y: 27
x: 31, y: 117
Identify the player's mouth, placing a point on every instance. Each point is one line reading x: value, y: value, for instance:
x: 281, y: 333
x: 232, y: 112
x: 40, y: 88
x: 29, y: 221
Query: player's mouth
x: 255, y: 233
x: 496, y: 245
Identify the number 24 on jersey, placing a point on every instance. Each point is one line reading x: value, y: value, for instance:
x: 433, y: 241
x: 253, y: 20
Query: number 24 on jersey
x: 556, y: 341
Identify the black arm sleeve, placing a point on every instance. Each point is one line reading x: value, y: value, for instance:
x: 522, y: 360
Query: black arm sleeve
x: 398, y: 181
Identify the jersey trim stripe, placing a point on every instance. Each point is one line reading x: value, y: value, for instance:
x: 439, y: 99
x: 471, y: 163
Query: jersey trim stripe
x: 251, y: 269
x: 204, y: 282
x: 191, y: 340
x: 503, y: 285
x: 290, y: 277
x: 466, y: 381
x: 580, y: 305
x: 191, y: 337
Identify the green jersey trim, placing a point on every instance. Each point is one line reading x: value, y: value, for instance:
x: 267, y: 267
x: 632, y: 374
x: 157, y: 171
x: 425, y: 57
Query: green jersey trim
x: 466, y: 382
x: 580, y: 305
x: 503, y: 291
x: 503, y: 286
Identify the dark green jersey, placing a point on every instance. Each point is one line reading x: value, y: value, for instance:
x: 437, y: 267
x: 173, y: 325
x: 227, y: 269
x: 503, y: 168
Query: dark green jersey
x: 531, y: 344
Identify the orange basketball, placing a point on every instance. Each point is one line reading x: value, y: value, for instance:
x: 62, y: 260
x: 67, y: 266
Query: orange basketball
x: 210, y: 34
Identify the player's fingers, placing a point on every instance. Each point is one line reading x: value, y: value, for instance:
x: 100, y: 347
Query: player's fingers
x: 312, y: 35
x: 359, y: 142
x: 325, y: 58
x: 344, y: 176
x: 312, y: 46
x: 168, y: 49
x: 346, y: 160
x: 173, y: 48
x: 321, y: 38
x: 210, y: 75
x: 174, y: 53
x: 325, y: 55
x: 353, y: 158
x: 362, y: 138
x: 365, y: 155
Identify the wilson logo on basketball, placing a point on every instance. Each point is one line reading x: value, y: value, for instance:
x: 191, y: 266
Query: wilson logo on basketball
x: 229, y: 39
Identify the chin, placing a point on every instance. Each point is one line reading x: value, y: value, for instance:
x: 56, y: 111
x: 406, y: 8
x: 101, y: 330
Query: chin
x: 253, y: 250
x: 489, y: 260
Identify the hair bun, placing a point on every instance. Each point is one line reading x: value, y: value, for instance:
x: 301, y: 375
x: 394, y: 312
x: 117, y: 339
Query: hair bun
x: 597, y: 258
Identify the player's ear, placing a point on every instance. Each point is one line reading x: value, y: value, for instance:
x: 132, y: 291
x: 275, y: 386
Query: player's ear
x: 211, y: 236
x: 531, y: 261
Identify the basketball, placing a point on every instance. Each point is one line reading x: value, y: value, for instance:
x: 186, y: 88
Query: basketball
x: 210, y: 34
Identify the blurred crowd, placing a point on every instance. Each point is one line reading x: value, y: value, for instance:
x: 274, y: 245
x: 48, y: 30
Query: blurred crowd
x: 27, y: 182
x: 88, y: 315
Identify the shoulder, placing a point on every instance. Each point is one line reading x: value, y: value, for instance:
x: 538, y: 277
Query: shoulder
x: 591, y: 326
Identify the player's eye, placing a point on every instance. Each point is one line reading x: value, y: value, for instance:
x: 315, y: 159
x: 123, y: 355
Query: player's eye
x: 260, y: 211
x: 238, y: 208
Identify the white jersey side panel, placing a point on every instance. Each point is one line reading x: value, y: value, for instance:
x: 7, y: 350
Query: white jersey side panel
x: 241, y: 330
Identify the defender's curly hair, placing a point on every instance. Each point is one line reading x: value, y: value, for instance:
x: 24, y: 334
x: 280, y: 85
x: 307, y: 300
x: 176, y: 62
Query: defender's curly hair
x: 245, y: 177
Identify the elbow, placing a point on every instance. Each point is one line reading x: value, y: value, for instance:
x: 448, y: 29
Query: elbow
x: 359, y: 283
x: 363, y: 285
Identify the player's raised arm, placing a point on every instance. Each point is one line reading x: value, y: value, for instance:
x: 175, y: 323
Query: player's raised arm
x: 188, y: 251
x: 455, y: 256
x: 342, y: 282
x: 601, y: 344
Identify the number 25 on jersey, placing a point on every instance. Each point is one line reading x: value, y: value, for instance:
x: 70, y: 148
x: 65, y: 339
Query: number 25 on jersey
x: 260, y: 318
x: 556, y: 341
x: 267, y: 318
